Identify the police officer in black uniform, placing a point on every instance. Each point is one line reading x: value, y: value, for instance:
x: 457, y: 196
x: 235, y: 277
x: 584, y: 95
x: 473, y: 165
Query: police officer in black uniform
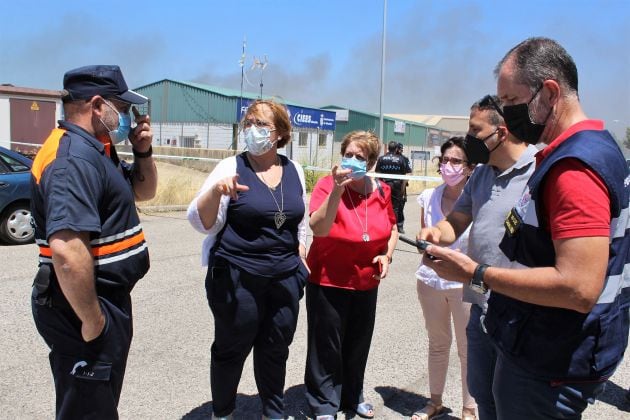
x: 393, y: 162
x: 399, y: 152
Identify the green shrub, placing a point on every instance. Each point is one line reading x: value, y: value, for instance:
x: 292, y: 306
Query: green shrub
x: 311, y: 177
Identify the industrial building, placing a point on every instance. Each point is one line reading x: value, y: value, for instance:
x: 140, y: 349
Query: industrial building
x: 27, y: 116
x: 195, y: 115
x: 198, y: 116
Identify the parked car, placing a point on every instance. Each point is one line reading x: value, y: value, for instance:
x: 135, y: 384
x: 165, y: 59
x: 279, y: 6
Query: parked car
x: 15, y: 198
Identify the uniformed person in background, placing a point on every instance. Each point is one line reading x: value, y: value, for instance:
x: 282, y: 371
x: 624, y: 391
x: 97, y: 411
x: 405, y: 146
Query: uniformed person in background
x: 399, y: 152
x: 393, y: 162
x: 91, y: 244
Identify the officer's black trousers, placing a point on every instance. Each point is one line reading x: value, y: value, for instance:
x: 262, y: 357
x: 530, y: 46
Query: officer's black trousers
x: 340, y: 326
x: 251, y: 312
x: 398, y: 204
x: 88, y: 376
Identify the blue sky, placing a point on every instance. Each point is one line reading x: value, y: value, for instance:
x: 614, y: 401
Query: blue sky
x: 440, y: 54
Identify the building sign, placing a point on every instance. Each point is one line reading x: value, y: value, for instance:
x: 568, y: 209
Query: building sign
x: 300, y: 117
x: 434, y: 138
x: 399, y: 127
x: 342, y: 114
x: 420, y: 155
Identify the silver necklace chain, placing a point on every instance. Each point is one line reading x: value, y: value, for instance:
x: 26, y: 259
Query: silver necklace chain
x: 279, y: 217
x: 365, y: 236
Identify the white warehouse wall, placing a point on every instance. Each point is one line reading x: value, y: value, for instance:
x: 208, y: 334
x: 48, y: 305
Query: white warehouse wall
x: 220, y: 137
x: 206, y: 136
x: 5, y: 122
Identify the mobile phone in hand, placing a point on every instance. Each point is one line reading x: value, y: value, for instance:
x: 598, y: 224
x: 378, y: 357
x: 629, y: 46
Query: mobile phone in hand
x: 421, y: 244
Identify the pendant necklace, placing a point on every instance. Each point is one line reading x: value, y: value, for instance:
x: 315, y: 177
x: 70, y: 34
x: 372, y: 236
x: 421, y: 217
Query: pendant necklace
x: 365, y: 236
x: 279, y: 217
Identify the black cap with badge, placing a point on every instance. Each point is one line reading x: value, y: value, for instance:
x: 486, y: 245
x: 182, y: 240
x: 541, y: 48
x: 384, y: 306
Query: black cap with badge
x: 103, y: 80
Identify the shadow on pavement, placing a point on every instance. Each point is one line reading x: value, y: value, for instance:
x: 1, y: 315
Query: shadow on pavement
x: 404, y: 402
x: 616, y: 396
x: 248, y: 407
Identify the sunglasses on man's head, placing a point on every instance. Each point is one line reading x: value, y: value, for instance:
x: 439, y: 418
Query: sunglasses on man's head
x: 488, y: 100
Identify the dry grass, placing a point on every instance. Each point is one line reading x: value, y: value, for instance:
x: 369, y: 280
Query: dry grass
x: 177, y: 185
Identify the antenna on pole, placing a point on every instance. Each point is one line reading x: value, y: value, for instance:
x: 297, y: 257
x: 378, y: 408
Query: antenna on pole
x: 261, y: 65
x: 241, y: 63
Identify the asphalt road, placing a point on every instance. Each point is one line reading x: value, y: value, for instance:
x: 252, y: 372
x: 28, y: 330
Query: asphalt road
x: 168, y: 370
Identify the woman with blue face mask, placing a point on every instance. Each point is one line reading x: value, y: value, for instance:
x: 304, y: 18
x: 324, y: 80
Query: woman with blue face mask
x: 252, y: 208
x: 441, y: 300
x: 354, y: 236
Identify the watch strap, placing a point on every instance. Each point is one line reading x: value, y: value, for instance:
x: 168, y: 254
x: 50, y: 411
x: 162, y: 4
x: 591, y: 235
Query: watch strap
x: 478, y: 277
x: 146, y: 154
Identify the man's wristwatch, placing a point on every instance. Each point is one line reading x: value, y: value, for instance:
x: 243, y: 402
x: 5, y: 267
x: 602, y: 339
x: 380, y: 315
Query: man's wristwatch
x: 476, y: 282
x: 146, y: 154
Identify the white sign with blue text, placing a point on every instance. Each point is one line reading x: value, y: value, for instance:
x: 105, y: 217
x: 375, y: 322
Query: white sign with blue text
x: 300, y: 117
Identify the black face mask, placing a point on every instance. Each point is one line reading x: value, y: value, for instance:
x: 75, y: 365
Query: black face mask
x: 476, y: 149
x: 520, y: 124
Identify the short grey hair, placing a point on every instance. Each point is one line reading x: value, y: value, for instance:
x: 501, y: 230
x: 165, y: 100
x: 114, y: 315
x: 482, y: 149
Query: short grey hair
x: 538, y: 59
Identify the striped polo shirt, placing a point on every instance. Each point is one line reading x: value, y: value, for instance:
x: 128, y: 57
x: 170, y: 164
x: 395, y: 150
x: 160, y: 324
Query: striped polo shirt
x: 77, y: 186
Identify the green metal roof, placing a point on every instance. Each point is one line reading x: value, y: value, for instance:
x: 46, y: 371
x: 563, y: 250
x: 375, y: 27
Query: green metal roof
x: 415, y: 133
x: 178, y: 102
x: 189, y: 102
x: 228, y: 93
x: 234, y: 93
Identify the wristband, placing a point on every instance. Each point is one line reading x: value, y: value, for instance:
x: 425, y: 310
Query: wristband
x: 476, y: 282
x: 146, y: 154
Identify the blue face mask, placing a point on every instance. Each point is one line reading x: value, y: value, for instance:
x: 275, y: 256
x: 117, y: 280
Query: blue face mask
x: 124, y: 126
x: 258, y: 140
x: 358, y: 167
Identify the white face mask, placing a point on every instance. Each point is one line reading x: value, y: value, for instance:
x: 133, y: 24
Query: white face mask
x: 258, y: 140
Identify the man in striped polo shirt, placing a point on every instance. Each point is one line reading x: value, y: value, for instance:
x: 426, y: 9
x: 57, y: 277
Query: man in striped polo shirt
x: 91, y: 244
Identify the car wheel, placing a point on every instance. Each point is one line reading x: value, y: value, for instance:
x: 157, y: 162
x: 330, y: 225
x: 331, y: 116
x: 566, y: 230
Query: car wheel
x: 15, y: 225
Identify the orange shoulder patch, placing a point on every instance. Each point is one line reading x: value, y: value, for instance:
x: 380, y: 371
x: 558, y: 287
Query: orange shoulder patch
x: 47, y: 153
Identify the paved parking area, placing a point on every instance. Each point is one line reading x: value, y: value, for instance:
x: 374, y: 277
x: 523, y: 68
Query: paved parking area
x: 167, y: 375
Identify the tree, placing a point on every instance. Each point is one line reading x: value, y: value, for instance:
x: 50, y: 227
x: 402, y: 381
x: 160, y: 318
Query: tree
x: 626, y: 142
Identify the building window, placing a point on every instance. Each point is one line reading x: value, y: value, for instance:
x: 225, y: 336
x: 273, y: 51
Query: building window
x: 322, y: 140
x: 188, y: 141
x: 303, y: 139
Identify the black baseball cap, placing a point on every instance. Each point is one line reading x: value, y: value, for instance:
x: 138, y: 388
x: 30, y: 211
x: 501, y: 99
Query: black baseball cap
x: 103, y: 80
